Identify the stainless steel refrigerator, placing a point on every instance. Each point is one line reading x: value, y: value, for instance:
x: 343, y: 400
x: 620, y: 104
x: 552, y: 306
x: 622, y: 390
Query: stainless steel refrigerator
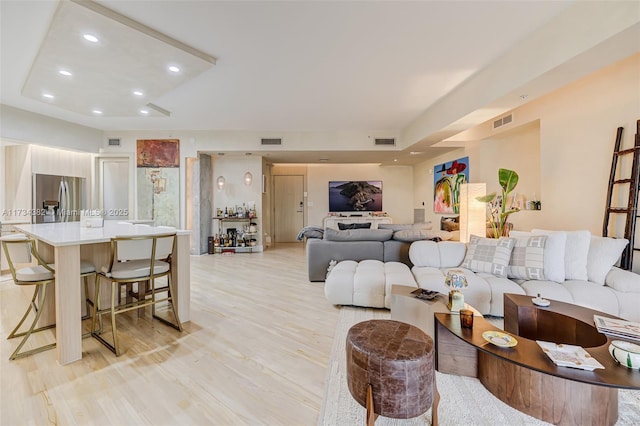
x: 57, y: 198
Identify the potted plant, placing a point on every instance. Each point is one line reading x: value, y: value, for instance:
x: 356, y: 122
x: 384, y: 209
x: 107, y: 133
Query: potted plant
x: 498, y: 213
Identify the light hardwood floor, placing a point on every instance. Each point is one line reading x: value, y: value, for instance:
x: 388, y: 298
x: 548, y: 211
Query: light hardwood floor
x: 255, y: 352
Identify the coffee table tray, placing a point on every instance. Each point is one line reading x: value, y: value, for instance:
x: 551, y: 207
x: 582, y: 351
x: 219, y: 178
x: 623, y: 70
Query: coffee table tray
x: 569, y: 356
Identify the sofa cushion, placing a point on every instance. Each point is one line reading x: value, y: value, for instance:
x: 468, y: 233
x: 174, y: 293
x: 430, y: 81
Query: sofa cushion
x: 402, y: 226
x: 446, y: 254
x: 527, y: 258
x: 575, y: 254
x: 358, y: 235
x: 553, y: 254
x: 623, y: 281
x: 548, y: 290
x: 500, y: 286
x: 603, y: 254
x: 592, y: 295
x: 411, y: 235
x: 355, y: 225
x: 489, y: 255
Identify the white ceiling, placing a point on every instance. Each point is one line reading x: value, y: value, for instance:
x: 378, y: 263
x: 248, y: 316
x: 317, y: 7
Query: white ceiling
x: 307, y: 66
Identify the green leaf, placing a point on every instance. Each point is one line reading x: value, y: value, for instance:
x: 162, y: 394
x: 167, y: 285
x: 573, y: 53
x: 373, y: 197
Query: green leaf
x: 508, y: 180
x: 486, y: 198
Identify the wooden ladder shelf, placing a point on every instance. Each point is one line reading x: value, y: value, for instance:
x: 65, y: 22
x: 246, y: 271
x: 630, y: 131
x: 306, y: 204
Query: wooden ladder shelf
x: 633, y: 184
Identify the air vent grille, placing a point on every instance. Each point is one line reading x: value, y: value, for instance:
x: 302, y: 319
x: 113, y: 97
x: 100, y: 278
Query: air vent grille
x: 271, y: 141
x: 385, y: 141
x: 502, y: 121
x: 114, y: 142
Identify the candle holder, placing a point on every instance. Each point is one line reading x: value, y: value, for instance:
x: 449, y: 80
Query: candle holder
x: 466, y: 318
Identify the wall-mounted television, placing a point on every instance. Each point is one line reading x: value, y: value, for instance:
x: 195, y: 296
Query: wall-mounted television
x: 355, y: 196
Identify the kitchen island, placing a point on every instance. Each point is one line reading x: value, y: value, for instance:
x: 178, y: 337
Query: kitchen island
x: 65, y: 244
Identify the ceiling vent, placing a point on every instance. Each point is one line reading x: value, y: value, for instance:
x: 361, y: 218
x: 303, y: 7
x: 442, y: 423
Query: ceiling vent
x: 503, y: 121
x: 271, y: 141
x: 385, y: 141
x: 114, y: 142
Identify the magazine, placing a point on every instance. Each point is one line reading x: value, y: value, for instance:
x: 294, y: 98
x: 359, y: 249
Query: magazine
x: 617, y: 327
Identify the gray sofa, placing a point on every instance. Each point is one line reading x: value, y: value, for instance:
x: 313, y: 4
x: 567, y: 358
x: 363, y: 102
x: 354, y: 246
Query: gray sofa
x: 389, y: 243
x: 321, y: 252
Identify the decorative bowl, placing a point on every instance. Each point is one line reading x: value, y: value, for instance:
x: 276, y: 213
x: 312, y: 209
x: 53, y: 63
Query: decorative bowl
x: 625, y: 353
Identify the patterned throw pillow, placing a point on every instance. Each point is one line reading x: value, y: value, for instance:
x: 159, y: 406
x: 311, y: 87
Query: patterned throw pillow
x: 489, y: 255
x: 527, y: 258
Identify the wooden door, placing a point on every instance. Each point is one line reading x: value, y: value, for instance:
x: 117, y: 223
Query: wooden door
x: 288, y: 208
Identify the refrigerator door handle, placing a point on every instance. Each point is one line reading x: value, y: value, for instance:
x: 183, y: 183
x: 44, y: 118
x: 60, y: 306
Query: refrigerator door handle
x: 61, y: 206
x: 67, y: 201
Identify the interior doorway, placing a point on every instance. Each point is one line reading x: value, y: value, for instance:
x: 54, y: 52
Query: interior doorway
x: 113, y: 188
x: 288, y: 213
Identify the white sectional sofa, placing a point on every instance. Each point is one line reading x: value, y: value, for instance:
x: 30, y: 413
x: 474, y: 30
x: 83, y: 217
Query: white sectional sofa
x: 573, y: 267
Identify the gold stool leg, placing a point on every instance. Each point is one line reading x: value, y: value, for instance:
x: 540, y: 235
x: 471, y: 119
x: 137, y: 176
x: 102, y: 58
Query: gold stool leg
x: 39, y: 293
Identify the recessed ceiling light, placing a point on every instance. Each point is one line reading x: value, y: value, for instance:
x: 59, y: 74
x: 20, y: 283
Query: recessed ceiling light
x: 91, y: 38
x: 395, y: 160
x: 97, y: 112
x: 144, y: 111
x: 138, y: 93
x: 47, y: 95
x: 65, y: 72
x: 173, y: 68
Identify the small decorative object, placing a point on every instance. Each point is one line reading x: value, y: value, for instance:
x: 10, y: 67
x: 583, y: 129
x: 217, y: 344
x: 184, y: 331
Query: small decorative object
x: 539, y: 301
x: 455, y: 280
x: 466, y: 318
x: 626, y: 353
x: 499, y: 338
x: 497, y: 204
x: 424, y: 294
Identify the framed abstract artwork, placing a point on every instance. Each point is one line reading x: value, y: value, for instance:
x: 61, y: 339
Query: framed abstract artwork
x: 447, y: 178
x: 158, y: 180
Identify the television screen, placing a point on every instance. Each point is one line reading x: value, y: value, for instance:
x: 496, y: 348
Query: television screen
x: 355, y: 196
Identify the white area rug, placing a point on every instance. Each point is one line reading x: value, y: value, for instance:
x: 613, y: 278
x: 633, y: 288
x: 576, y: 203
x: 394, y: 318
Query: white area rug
x: 463, y: 400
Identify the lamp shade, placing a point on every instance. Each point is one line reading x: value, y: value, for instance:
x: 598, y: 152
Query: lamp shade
x: 220, y: 182
x: 248, y: 178
x: 473, y: 213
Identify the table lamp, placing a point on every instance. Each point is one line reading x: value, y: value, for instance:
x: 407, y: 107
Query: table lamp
x: 455, y: 280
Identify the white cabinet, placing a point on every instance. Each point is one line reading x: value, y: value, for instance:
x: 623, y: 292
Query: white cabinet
x: 332, y: 221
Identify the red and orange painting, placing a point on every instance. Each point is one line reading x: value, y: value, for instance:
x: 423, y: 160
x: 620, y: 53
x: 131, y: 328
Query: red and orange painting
x: 158, y: 153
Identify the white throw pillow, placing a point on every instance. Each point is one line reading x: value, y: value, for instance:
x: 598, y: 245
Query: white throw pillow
x: 575, y: 254
x: 489, y: 255
x: 553, y: 254
x: 527, y: 258
x: 603, y: 254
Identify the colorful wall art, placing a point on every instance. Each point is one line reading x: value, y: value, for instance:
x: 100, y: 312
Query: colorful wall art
x: 447, y: 178
x: 158, y: 180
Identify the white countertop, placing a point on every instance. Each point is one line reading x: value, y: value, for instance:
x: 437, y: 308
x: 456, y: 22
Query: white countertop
x: 71, y: 233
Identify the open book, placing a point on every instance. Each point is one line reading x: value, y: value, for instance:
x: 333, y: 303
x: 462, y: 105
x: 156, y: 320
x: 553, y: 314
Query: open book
x: 617, y: 327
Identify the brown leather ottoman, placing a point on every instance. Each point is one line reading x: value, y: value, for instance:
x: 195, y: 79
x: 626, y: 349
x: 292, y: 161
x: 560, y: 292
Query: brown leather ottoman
x: 390, y: 369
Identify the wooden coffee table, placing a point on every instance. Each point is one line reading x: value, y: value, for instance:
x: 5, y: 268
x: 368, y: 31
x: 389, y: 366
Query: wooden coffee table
x: 523, y: 376
x: 406, y: 307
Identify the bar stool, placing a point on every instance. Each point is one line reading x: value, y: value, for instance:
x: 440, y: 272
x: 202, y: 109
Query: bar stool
x: 19, y: 249
x: 135, y: 259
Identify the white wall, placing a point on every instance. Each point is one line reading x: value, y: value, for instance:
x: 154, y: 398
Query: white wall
x: 577, y: 133
x: 235, y: 192
x: 29, y: 127
x: 397, y: 184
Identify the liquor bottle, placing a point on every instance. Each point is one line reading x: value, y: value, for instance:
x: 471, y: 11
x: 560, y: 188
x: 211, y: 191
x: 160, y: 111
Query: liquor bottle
x: 226, y: 212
